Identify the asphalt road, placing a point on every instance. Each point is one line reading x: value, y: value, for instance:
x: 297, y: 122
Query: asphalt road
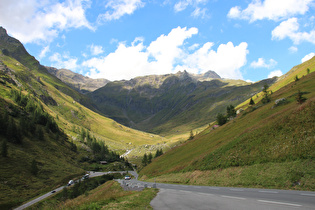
x: 92, y: 174
x: 173, y: 196
x: 206, y: 197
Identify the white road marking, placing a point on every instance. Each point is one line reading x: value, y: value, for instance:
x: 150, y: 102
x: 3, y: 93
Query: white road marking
x: 306, y: 194
x: 214, y: 188
x: 240, y: 190
x: 280, y: 203
x: 185, y: 186
x: 224, y: 196
x: 262, y: 191
x: 205, y: 194
x: 197, y: 187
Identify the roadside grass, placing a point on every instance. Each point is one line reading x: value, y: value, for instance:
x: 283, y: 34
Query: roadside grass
x: 107, y: 196
x: 294, y: 175
x: 266, y: 134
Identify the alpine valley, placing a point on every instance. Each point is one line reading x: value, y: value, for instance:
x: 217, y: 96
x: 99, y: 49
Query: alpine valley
x: 56, y: 124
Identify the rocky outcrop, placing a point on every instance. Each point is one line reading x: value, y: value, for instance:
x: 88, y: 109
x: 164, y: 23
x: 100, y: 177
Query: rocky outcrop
x: 77, y: 81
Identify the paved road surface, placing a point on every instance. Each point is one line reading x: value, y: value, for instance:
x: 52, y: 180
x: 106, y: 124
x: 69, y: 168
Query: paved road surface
x: 92, y: 174
x: 206, y: 197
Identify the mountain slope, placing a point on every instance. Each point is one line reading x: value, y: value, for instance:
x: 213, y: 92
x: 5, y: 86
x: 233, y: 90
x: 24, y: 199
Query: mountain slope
x: 278, y: 139
x: 77, y: 81
x: 42, y: 124
x: 71, y: 109
x: 172, y: 103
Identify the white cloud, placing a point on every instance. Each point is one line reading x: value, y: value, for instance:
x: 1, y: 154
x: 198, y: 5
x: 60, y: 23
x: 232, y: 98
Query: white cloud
x: 290, y: 29
x: 293, y: 49
x: 36, y: 20
x: 166, y: 54
x: 276, y: 73
x: 307, y: 57
x: 270, y: 9
x: 198, y: 12
x: 261, y: 63
x: 64, y: 61
x: 235, y: 12
x: 96, y: 49
x: 193, y: 47
x: 125, y: 63
x: 119, y: 8
x: 181, y: 5
x: 130, y: 61
x: 44, y: 52
x: 226, y: 61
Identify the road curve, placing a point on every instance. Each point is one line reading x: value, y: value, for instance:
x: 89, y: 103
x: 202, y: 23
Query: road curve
x: 92, y: 174
x: 173, y: 196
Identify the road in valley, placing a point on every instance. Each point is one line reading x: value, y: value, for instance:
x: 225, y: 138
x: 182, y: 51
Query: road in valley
x: 92, y: 174
x: 174, y: 197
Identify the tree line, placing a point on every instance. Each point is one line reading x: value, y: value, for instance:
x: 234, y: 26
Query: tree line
x: 147, y: 159
x: 99, y: 149
x: 28, y: 119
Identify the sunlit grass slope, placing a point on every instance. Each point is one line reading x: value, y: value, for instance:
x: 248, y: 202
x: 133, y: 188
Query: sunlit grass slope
x: 280, y: 138
x: 70, y: 113
x: 298, y: 71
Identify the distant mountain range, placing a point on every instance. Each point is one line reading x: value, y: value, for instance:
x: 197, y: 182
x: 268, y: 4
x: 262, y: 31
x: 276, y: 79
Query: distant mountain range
x: 77, y: 81
x: 163, y: 104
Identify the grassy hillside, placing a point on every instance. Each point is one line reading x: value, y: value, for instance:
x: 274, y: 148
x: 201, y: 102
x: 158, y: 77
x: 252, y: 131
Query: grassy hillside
x: 42, y: 121
x: 107, y: 196
x: 298, y: 71
x: 36, y: 155
x: 279, y: 139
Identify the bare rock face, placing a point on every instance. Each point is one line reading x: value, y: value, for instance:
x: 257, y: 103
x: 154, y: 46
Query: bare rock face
x: 77, y: 81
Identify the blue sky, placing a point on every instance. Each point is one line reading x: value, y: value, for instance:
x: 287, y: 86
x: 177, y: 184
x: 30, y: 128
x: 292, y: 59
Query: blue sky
x: 122, y: 39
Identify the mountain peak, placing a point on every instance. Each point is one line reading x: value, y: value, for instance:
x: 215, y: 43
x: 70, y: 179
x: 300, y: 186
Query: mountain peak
x: 13, y: 47
x: 3, y: 32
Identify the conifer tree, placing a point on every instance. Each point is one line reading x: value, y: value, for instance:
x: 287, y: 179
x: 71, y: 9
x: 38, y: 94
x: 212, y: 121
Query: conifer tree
x: 221, y: 119
x: 145, y: 159
x: 251, y: 102
x: 299, y: 97
x: 150, y: 158
x: 4, y: 149
x: 40, y: 133
x: 191, y: 136
x: 3, y: 125
x: 266, y: 97
x: 34, y: 168
x: 230, y: 111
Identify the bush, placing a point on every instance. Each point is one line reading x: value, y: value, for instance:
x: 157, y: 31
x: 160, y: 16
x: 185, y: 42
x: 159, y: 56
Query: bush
x: 221, y: 119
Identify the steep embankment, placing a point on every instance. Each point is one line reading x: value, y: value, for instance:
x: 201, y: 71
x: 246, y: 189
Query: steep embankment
x: 268, y: 145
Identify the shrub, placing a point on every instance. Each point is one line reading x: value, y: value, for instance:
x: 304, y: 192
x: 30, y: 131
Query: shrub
x: 221, y: 119
x: 299, y: 97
